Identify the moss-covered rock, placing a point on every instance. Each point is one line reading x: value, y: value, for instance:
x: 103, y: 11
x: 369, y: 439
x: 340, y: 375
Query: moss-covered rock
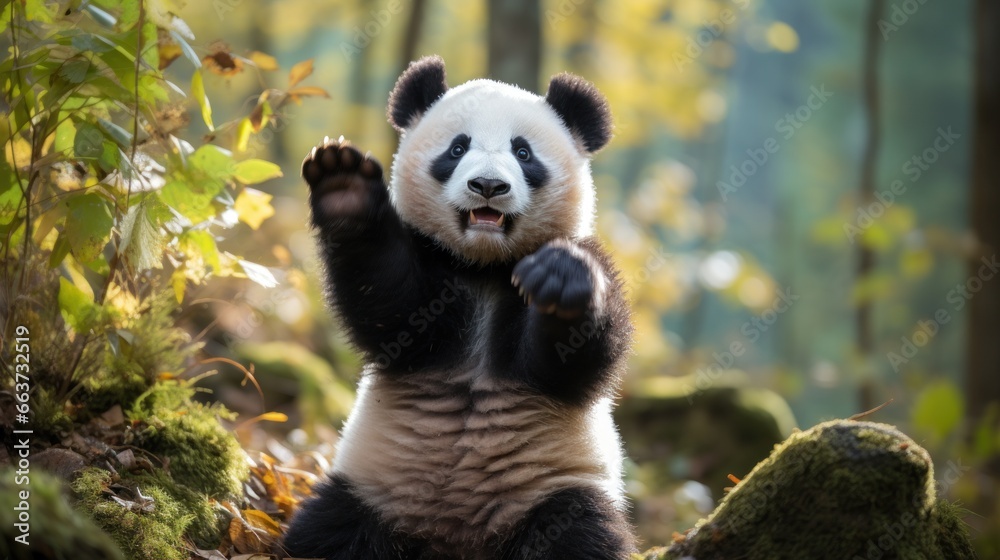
x: 842, y: 490
x: 202, y: 454
x: 152, y: 526
x: 55, y: 530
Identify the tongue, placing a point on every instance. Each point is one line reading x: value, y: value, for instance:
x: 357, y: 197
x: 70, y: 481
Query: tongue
x: 487, y: 215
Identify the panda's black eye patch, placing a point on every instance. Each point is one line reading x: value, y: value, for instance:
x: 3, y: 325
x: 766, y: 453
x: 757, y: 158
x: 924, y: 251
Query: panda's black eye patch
x: 535, y: 173
x: 444, y: 164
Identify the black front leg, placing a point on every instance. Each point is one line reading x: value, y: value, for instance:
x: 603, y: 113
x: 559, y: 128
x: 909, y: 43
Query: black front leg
x: 577, y: 326
x: 377, y: 283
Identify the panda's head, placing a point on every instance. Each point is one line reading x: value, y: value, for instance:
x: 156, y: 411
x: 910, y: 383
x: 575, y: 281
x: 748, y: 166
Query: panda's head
x: 490, y: 171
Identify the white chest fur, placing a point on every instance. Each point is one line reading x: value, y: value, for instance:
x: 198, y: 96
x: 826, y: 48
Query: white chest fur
x: 457, y: 457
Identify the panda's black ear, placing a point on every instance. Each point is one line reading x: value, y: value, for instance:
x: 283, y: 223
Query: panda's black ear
x: 584, y: 109
x: 418, y: 88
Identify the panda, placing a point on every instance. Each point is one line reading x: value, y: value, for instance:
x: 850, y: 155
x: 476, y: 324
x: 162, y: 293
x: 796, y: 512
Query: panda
x: 493, y: 323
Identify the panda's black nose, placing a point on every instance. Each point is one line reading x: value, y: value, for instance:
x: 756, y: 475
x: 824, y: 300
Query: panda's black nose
x: 488, y: 187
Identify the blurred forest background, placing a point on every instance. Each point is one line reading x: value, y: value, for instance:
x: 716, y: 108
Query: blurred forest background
x: 738, y: 195
x: 797, y: 193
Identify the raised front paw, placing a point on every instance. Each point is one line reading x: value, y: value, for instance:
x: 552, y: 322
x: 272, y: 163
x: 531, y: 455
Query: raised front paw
x: 560, y: 279
x: 343, y: 182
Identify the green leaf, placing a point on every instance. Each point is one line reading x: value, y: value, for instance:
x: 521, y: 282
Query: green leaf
x: 37, y: 10
x: 88, y: 142
x: 77, y: 308
x: 938, y: 410
x: 88, y: 226
x: 253, y: 171
x: 150, y: 89
x: 128, y: 16
x: 10, y: 201
x: 59, y: 251
x: 141, y: 240
x: 150, y: 42
x: 193, y: 201
x: 202, y: 243
x: 45, y: 223
x: 110, y: 159
x: 110, y: 89
x: 87, y: 42
x: 117, y: 133
x: 213, y: 162
x: 65, y: 137
x: 75, y: 70
x: 120, y: 61
x: 6, y: 15
x: 198, y: 92
x: 13, y: 235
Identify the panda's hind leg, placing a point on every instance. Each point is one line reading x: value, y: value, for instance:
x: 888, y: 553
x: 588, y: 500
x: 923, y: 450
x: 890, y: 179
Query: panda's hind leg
x: 572, y: 524
x: 336, y: 525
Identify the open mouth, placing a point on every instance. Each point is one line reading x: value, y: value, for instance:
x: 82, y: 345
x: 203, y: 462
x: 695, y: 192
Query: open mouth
x: 486, y: 219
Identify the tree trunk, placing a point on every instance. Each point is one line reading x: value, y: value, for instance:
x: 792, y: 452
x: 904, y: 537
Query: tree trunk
x: 515, y: 41
x: 414, y: 27
x: 983, y: 359
x: 865, y: 336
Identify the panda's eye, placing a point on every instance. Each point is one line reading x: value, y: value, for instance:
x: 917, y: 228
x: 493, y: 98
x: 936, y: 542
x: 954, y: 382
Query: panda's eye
x: 457, y: 150
x: 523, y: 154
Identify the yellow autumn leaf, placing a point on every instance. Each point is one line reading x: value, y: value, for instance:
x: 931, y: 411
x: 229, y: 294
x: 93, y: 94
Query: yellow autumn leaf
x: 253, y: 207
x: 264, y: 61
x: 179, y: 282
x: 299, y: 72
x: 308, y: 91
x: 243, y: 131
x: 260, y: 520
x: 18, y: 152
x: 278, y: 417
x: 198, y: 92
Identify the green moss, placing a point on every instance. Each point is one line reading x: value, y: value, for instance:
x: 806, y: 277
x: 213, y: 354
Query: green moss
x: 49, y: 418
x: 202, y: 454
x: 148, y: 345
x: 56, y: 531
x: 207, y: 524
x: 140, y: 533
x: 839, y: 490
